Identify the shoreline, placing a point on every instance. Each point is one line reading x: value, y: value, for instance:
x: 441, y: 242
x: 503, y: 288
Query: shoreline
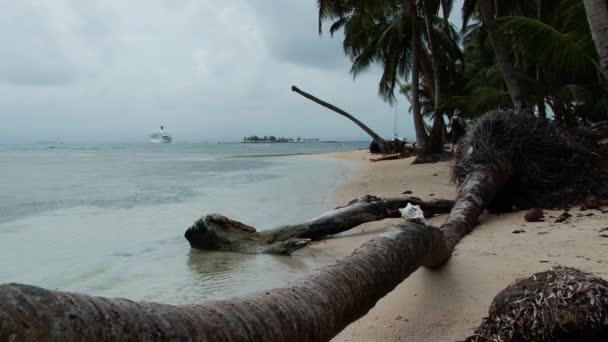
x: 449, y: 303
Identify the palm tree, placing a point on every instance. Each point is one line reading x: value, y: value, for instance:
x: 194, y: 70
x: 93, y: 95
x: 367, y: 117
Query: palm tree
x: 488, y: 16
x: 387, y: 33
x: 597, y: 16
x: 559, y: 40
x: 421, y: 135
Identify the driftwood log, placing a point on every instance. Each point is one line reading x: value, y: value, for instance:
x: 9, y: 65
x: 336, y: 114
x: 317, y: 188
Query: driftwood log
x: 561, y: 304
x: 217, y: 232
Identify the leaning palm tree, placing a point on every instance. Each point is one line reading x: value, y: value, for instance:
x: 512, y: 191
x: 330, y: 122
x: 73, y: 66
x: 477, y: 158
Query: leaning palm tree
x: 388, y: 33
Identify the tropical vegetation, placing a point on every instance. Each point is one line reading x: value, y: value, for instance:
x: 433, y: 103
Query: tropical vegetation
x: 273, y: 139
x: 537, y: 57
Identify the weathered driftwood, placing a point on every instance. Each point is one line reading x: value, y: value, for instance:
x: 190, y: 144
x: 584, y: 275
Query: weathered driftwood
x: 387, y: 157
x: 561, y: 304
x: 217, y: 232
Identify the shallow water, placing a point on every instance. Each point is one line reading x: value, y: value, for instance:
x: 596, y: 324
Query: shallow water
x: 109, y: 220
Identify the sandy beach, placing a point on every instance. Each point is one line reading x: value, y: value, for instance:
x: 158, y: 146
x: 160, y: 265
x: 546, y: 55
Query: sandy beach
x: 447, y: 304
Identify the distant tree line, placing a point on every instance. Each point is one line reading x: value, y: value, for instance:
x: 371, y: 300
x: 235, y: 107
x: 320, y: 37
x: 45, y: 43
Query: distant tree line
x: 273, y: 139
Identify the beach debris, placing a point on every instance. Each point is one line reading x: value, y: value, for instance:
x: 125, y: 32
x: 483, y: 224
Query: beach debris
x: 413, y: 213
x: 534, y: 215
x: 218, y: 232
x: 563, y: 217
x: 591, y: 202
x: 561, y: 304
x: 407, y: 192
x: 534, y: 150
x: 518, y: 231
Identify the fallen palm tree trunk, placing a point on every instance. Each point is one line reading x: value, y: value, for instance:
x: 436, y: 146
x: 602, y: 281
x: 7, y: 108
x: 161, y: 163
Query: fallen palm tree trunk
x: 562, y: 304
x: 384, y: 146
x: 314, y: 309
x: 217, y: 232
x: 494, y: 156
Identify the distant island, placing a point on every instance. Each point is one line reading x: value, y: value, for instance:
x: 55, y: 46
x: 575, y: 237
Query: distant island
x: 272, y: 139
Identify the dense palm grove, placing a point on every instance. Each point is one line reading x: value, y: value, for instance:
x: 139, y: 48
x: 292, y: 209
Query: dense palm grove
x: 537, y: 57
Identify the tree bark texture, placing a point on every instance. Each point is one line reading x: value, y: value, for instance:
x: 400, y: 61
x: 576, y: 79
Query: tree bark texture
x: 421, y: 135
x: 217, y: 232
x: 501, y: 51
x: 597, y: 16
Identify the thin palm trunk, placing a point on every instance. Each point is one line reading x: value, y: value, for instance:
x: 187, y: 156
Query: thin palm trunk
x: 435, y: 141
x: 446, y: 15
x: 421, y: 134
x: 501, y: 51
x: 542, y: 110
x: 428, y: 22
x: 382, y: 144
x: 597, y: 16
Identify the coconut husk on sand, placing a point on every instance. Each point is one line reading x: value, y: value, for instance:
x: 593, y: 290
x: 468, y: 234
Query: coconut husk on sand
x: 561, y: 304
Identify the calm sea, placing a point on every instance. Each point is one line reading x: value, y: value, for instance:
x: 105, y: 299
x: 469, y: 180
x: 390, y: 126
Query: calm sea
x: 108, y: 220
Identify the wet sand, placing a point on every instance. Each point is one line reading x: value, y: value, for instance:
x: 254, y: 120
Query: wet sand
x: 447, y: 304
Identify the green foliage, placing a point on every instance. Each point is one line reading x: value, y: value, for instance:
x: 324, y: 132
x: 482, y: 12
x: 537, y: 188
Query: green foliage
x: 552, y: 50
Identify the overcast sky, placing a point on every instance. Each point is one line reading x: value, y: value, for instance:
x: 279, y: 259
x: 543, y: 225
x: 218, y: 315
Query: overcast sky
x: 115, y: 70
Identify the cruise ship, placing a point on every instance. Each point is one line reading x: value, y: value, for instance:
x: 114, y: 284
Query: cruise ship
x: 160, y: 137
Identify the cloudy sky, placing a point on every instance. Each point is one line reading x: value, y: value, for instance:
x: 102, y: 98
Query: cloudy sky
x: 114, y: 70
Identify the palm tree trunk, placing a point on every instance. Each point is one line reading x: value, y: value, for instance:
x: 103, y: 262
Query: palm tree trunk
x: 597, y: 16
x: 314, y: 309
x: 446, y: 15
x: 498, y: 39
x: 421, y: 134
x: 433, y: 151
x: 382, y: 144
x: 428, y: 22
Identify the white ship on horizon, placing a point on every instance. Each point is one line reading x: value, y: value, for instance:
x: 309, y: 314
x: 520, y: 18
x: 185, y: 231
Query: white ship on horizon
x: 160, y: 137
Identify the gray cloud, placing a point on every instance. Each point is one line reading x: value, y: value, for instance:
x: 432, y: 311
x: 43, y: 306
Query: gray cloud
x: 290, y: 28
x: 30, y: 54
x: 114, y: 70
